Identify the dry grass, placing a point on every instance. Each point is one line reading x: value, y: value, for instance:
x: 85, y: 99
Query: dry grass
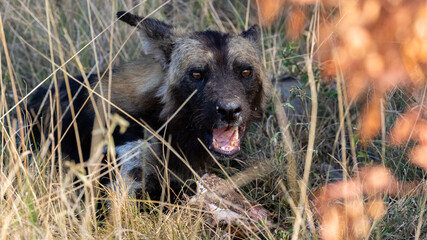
x: 45, y: 41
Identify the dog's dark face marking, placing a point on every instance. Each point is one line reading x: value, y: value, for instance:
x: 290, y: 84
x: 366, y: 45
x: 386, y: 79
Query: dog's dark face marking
x: 225, y: 71
x: 227, y: 82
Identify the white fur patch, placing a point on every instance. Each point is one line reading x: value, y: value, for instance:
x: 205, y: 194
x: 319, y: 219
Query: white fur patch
x: 134, y: 155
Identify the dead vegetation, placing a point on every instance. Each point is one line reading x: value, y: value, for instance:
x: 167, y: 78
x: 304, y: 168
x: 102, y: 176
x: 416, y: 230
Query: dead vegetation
x: 364, y: 127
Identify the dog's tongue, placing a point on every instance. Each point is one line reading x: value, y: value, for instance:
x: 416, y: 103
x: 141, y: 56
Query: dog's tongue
x: 226, y: 138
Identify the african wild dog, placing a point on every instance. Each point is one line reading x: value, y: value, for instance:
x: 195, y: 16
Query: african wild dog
x: 224, y: 73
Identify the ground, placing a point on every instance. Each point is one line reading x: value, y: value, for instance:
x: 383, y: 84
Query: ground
x: 43, y: 39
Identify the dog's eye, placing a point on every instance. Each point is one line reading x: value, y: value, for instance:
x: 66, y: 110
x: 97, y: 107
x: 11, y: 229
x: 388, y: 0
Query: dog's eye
x: 245, y: 73
x: 196, y: 75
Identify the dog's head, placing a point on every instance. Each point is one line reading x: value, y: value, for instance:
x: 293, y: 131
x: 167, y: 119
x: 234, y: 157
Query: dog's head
x: 223, y: 73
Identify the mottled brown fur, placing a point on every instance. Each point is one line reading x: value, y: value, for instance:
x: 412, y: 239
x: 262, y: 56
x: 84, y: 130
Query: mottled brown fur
x: 134, y: 85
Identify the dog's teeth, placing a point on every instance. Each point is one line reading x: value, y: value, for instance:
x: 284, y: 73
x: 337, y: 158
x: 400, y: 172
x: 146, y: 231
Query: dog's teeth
x: 236, y: 134
x: 215, y: 143
x: 227, y: 149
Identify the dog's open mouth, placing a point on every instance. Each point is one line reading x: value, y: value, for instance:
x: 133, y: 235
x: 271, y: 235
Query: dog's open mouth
x: 226, y: 140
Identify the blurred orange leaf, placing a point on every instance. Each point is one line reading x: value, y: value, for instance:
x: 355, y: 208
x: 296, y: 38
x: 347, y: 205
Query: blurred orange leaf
x: 418, y: 156
x: 370, y: 122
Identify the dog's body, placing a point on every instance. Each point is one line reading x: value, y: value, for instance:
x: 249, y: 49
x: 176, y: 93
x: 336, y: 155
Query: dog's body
x: 218, y: 76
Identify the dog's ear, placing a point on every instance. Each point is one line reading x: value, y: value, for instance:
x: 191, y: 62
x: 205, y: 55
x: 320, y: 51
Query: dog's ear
x: 253, y: 35
x: 157, y: 36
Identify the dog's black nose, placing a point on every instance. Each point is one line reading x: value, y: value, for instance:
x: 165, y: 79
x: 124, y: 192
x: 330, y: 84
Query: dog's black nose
x: 229, y: 112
